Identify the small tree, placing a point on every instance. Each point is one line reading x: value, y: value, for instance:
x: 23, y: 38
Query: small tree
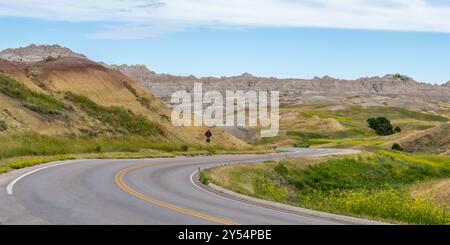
x: 381, y: 125
x: 372, y: 123
x: 397, y: 129
x: 397, y: 147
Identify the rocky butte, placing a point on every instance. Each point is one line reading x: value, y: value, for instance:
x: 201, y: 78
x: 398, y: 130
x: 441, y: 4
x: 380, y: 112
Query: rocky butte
x: 390, y: 90
x: 35, y: 53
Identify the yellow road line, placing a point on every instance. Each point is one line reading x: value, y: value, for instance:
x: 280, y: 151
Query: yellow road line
x: 119, y: 181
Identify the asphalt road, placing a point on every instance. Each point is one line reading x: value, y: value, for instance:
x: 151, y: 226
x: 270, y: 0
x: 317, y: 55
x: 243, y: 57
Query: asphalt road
x: 144, y: 191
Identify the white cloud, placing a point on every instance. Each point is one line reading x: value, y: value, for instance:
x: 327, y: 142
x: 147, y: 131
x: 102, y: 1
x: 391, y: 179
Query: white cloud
x: 146, y: 18
x: 134, y: 31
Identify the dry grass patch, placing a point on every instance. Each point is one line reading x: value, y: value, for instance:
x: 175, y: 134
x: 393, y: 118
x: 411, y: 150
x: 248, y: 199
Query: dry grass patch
x: 437, y: 190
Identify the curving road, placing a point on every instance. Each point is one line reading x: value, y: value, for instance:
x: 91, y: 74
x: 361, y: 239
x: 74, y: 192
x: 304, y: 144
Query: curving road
x: 145, y: 191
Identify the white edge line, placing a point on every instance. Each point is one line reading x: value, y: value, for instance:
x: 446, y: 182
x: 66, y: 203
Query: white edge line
x: 9, y: 188
x: 252, y: 205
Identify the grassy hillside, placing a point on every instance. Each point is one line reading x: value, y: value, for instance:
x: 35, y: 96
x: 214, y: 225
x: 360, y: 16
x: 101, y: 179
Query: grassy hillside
x: 47, y: 84
x: 73, y: 105
x: 373, y: 185
x: 35, y: 101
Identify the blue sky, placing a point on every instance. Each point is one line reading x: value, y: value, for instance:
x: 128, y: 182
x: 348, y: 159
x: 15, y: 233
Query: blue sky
x: 284, y: 38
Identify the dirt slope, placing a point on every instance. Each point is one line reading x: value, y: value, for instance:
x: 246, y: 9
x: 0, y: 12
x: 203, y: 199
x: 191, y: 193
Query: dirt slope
x: 434, y: 140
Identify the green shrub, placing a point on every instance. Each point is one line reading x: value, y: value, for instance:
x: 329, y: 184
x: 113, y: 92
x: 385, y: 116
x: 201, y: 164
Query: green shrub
x: 42, y: 103
x: 381, y: 125
x: 98, y: 149
x: 397, y: 147
x: 398, y: 129
x: 204, y: 177
x: 3, y: 126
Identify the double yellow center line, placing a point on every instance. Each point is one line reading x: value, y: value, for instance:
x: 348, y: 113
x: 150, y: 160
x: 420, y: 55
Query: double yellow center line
x: 120, y: 182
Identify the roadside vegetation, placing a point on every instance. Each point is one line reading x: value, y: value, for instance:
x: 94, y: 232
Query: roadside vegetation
x: 28, y: 149
x: 38, y: 102
x: 372, y: 185
x: 204, y: 177
x: 33, y: 144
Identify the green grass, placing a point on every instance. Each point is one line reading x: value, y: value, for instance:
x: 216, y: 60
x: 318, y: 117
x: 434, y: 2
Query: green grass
x: 371, y: 185
x: 39, y: 102
x: 33, y: 144
x: 10, y: 164
x: 328, y: 115
x: 122, y: 120
x: 22, y: 162
x: 391, y: 112
x: 430, y: 160
x: 306, y: 135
